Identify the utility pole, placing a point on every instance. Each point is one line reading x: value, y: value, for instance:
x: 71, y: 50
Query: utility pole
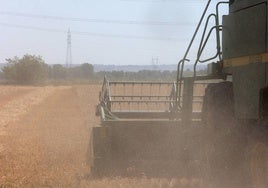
x: 155, y: 62
x: 68, y: 62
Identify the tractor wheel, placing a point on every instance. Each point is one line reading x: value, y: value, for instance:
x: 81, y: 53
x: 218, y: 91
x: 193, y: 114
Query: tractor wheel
x: 225, y: 144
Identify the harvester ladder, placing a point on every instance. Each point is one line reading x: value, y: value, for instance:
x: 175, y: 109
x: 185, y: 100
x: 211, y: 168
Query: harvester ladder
x: 203, y: 42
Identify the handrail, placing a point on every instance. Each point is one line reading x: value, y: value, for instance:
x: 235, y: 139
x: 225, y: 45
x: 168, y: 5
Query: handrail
x: 182, y: 61
x: 202, y: 49
x: 204, y: 33
x: 179, y: 84
x: 202, y: 45
x: 217, y: 28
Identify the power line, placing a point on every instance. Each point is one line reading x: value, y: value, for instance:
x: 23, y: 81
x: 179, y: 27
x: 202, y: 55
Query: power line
x: 165, y: 1
x: 88, y: 33
x: 150, y: 1
x: 123, y: 22
x: 31, y: 27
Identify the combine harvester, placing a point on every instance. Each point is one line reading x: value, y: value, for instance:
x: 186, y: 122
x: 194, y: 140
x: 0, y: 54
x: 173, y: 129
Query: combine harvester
x: 167, y: 129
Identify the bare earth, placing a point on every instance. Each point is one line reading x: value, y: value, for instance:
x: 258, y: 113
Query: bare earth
x: 44, y: 134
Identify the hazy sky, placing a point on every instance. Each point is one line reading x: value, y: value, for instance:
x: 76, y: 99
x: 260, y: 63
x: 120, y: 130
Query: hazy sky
x: 103, y: 31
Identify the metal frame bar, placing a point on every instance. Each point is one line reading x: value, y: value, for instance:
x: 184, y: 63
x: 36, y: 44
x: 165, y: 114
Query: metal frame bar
x: 181, y: 62
x: 180, y: 67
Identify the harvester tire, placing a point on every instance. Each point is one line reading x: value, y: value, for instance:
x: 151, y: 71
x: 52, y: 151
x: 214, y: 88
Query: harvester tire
x: 218, y: 106
x: 225, y: 145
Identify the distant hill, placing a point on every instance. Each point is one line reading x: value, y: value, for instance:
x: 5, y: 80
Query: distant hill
x: 136, y: 68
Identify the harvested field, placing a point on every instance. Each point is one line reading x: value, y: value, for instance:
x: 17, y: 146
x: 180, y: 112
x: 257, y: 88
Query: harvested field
x: 44, y: 134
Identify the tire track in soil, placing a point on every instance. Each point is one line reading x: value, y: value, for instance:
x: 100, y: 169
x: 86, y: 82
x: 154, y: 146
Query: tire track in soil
x: 9, y: 93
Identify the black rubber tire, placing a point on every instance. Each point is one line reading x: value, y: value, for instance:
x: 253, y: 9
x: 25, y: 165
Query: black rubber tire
x: 218, y: 106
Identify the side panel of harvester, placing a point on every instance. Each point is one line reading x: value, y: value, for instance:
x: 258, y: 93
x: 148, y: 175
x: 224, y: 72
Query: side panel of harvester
x: 245, y: 54
x: 151, y: 148
x: 236, y: 110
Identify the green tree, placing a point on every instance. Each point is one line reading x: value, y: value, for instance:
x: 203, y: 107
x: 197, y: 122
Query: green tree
x: 30, y: 69
x: 83, y: 71
x: 58, y: 72
x: 86, y: 71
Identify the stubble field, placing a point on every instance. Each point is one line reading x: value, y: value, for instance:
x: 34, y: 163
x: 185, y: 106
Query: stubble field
x: 44, y: 135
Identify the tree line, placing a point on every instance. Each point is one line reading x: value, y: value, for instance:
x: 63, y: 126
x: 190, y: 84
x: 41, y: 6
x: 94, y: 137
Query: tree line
x: 32, y: 70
